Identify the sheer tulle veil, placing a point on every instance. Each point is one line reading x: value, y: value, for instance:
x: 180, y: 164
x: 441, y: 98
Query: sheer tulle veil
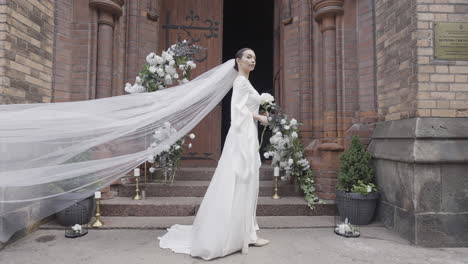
x: 53, y: 154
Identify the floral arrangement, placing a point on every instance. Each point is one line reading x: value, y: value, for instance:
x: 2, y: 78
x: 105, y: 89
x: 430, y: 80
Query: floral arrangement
x: 172, y: 66
x: 169, y: 157
x: 286, y: 149
x: 355, y: 173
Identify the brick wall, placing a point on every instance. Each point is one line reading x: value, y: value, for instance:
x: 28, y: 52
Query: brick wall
x: 26, y: 47
x: 396, y: 59
x: 443, y: 84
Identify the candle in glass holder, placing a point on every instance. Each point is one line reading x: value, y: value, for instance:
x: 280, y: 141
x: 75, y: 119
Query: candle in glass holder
x: 276, y: 172
x: 136, y: 172
x: 97, y: 195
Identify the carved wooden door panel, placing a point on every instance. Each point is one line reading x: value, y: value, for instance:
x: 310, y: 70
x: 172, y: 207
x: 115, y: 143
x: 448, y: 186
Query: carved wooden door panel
x: 200, y: 22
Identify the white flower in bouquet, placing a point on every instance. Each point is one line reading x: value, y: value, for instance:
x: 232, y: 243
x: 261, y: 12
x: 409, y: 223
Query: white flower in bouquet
x: 266, y: 98
x: 275, y: 130
x: 294, y: 134
x: 191, y: 64
x: 172, y: 63
x: 283, y: 164
x: 151, y: 159
x: 290, y: 162
x: 369, y: 188
x: 192, y: 136
x: 170, y: 70
x: 283, y: 121
x: 167, y: 56
x: 151, y: 59
x: 137, y: 87
x: 152, y: 69
x: 190, y: 145
x: 159, y: 60
x: 278, y: 134
x: 299, y: 154
x: 183, y: 81
x: 160, y: 71
x: 168, y: 79
x: 293, y: 122
x: 176, y: 76
x: 182, y: 67
x: 161, y: 87
x: 177, y: 147
x: 152, y: 170
x: 286, y: 127
x: 266, y: 155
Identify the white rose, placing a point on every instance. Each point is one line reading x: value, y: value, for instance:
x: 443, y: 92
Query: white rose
x: 152, y: 170
x: 168, y: 79
x: 286, y: 127
x: 151, y: 58
x: 369, y: 188
x: 177, y: 147
x: 192, y: 136
x: 128, y: 88
x: 266, y: 155
x: 182, y: 67
x: 283, y: 121
x: 190, y: 145
x: 160, y: 71
x: 152, y: 69
x: 290, y: 162
x: 159, y: 60
x: 185, y: 80
x: 278, y: 134
x: 176, y: 76
x: 266, y: 98
x: 293, y: 122
x: 294, y: 134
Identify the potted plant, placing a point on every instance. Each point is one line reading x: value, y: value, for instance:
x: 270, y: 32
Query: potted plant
x: 356, y: 194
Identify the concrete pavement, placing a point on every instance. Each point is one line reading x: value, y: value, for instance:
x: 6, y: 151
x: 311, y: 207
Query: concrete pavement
x: 292, y: 245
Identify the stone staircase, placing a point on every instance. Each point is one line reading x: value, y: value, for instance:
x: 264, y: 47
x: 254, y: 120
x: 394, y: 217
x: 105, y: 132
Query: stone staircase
x: 182, y: 199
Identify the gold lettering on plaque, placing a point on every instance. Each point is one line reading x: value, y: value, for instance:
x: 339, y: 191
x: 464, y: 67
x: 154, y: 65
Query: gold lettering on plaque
x: 450, y: 41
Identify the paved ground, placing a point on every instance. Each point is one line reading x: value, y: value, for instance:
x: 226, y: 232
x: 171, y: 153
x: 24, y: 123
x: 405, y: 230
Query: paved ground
x: 293, y: 245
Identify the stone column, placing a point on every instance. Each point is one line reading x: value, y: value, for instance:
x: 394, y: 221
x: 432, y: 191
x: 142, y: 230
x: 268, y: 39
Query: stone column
x: 325, y: 14
x: 108, y: 12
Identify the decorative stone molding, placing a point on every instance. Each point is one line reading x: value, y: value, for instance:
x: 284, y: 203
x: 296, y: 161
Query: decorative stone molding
x: 113, y: 7
x: 286, y: 17
x: 327, y: 8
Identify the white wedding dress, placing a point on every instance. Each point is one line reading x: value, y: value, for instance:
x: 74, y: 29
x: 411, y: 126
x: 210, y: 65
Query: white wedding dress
x: 226, y: 221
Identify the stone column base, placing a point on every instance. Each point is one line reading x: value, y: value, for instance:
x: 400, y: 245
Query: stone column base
x: 421, y: 169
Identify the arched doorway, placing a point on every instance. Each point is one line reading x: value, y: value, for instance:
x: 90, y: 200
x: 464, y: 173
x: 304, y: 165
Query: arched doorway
x: 249, y: 23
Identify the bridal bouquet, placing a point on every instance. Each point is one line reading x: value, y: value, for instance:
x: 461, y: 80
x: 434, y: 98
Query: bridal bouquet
x: 161, y: 71
x: 286, y: 149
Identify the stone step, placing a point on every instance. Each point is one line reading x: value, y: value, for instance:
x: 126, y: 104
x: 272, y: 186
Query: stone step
x: 163, y: 222
x: 206, y: 173
x: 197, y: 189
x: 188, y: 206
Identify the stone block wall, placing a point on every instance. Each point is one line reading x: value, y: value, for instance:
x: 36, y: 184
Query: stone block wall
x: 26, y: 51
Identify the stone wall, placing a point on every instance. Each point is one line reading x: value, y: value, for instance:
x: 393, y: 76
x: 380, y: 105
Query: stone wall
x: 26, y: 51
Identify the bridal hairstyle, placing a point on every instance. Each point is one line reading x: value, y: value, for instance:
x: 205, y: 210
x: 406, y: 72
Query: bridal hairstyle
x: 239, y: 55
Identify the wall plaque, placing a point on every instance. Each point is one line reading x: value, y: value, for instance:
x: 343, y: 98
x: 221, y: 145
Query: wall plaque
x: 451, y: 41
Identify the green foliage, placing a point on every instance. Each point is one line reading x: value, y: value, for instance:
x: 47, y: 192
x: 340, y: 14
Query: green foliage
x: 355, y: 171
x: 362, y: 188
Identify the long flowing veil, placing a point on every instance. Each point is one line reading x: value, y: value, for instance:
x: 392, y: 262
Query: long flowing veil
x: 49, y: 151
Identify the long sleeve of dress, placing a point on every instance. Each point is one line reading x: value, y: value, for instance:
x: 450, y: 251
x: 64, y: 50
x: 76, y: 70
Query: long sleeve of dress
x: 240, y: 113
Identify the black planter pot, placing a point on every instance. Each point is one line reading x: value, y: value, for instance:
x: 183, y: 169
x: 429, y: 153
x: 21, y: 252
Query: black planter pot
x: 79, y: 213
x: 358, y: 208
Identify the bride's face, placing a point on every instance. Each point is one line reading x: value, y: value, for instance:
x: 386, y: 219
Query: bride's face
x: 247, y: 62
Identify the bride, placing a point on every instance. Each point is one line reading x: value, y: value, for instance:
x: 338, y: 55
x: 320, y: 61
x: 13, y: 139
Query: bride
x: 226, y: 220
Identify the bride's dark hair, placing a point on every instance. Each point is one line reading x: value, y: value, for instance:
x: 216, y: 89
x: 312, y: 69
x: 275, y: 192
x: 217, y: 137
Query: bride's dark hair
x: 239, y: 55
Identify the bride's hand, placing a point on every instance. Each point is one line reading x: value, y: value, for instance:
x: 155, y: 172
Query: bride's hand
x: 263, y: 119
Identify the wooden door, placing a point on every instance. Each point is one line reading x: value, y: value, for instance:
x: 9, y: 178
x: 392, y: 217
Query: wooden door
x: 199, y: 21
